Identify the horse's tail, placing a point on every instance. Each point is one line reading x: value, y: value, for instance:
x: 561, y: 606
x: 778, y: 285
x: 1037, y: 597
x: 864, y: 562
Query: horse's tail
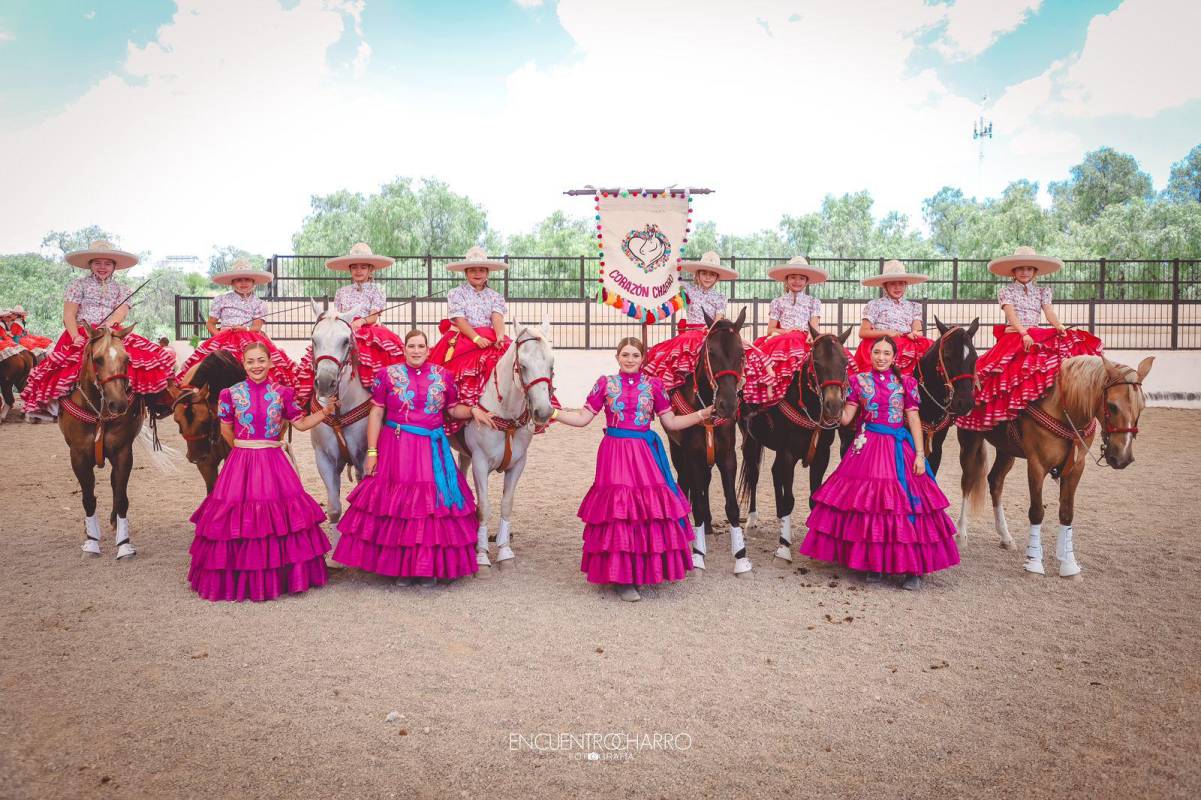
x: 161, y: 456
x: 748, y: 476
x: 974, y: 460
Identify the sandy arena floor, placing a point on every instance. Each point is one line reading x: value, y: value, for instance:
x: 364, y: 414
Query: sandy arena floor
x: 799, y: 680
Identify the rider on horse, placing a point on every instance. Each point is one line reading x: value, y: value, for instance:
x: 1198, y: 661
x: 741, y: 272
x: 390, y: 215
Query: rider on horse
x: 12, y: 326
x: 893, y: 316
x: 790, y: 316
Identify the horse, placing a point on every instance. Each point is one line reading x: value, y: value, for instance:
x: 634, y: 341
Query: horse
x: 716, y: 381
x: 800, y: 427
x: 341, y: 441
x: 194, y: 408
x: 519, y: 396
x: 1054, y: 435
x: 946, y: 383
x: 102, y: 418
x: 13, y: 372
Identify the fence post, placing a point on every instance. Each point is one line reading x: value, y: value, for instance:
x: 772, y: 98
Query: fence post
x: 505, y: 258
x: 925, y: 318
x: 1092, y: 317
x: 583, y: 290
x: 955, y: 278
x: 1175, y: 303
x: 587, y: 324
x: 734, y: 283
x: 754, y: 318
x: 1101, y: 283
x: 429, y: 275
x: 413, y: 314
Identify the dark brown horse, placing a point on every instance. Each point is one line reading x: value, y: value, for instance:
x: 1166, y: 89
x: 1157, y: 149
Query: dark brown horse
x: 799, y: 428
x: 1054, y: 436
x: 715, y: 382
x: 946, y: 383
x: 13, y: 372
x: 100, y: 420
x: 195, y: 411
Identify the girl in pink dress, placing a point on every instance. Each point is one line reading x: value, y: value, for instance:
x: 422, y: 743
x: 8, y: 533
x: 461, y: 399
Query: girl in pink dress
x: 880, y: 511
x: 259, y: 533
x: 635, y: 516
x: 413, y: 515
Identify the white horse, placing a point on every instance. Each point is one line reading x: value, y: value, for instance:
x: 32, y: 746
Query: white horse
x: 335, y: 375
x: 518, y: 394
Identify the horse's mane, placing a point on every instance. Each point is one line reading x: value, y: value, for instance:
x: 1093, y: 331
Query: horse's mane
x: 1077, y: 384
x: 219, y: 370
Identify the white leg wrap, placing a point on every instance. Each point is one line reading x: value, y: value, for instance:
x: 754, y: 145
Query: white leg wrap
x: 998, y: 513
x: 503, y: 551
x: 481, y: 545
x: 698, y: 547
x: 91, y: 528
x: 125, y: 548
x: 961, y: 525
x: 1065, y: 554
x: 784, y: 551
x: 1034, y: 551
x: 738, y: 550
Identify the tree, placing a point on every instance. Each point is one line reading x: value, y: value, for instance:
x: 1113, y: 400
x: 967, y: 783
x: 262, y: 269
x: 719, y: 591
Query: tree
x: 1184, y: 184
x: 950, y: 216
x: 556, y: 235
x: 59, y: 243
x: 223, y: 258
x: 1105, y: 177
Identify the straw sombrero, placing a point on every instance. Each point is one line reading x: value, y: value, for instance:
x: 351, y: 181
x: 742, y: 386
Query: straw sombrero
x: 360, y: 254
x: 712, y: 262
x: 242, y: 269
x: 19, y: 310
x: 894, y: 271
x: 476, y: 257
x: 798, y: 265
x: 1024, y: 257
x: 101, y: 249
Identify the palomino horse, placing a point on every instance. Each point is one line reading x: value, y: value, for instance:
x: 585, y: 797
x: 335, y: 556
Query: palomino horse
x: 946, y: 382
x: 102, y: 418
x: 195, y: 410
x: 715, y: 382
x: 1054, y: 436
x: 800, y: 427
x: 341, y: 441
x: 519, y: 397
x: 13, y: 372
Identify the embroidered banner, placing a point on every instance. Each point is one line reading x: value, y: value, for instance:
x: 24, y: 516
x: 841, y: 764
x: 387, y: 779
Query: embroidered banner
x: 641, y: 238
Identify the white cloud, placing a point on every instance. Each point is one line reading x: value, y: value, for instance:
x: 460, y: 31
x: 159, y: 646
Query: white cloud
x: 974, y: 25
x: 89, y: 15
x: 528, y: 3
x: 6, y: 36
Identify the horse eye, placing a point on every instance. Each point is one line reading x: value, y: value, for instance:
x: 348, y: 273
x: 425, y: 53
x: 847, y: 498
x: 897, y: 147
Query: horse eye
x: 1113, y: 408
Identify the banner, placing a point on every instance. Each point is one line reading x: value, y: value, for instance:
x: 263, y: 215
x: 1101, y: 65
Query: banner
x: 641, y: 238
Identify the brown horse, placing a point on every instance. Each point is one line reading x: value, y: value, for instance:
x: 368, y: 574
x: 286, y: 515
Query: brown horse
x: 13, y: 372
x: 1054, y: 436
x: 715, y: 382
x: 194, y: 408
x: 102, y: 418
x: 801, y: 427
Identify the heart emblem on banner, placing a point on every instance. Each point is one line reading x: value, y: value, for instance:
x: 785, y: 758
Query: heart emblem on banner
x: 647, y: 248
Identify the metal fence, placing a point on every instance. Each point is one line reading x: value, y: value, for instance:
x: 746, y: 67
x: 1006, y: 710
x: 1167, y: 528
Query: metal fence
x: 1131, y: 304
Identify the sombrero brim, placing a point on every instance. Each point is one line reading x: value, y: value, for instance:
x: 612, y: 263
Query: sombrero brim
x: 725, y: 273
x: 80, y: 258
x: 463, y: 266
x: 1005, y: 266
x: 227, y: 278
x: 814, y: 274
x: 344, y: 262
x: 909, y: 278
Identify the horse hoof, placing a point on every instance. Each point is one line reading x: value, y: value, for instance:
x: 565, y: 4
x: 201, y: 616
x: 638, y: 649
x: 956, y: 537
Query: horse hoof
x: 331, y: 564
x: 125, y: 552
x: 91, y: 548
x: 752, y: 520
x: 698, y: 561
x: 1071, y: 570
x: 334, y: 516
x: 481, y: 559
x: 505, y: 554
x: 1007, y: 544
x: 784, y: 553
x: 960, y: 538
x: 742, y: 566
x: 1034, y: 567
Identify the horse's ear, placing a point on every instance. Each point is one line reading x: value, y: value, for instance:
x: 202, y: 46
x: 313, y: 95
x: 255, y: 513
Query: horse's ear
x: 202, y: 393
x: 348, y: 317
x: 845, y: 335
x: 941, y: 327
x: 708, y: 319
x: 738, y: 323
x: 813, y: 331
x: 128, y: 329
x: 975, y: 326
x: 545, y: 329
x: 1144, y: 367
x: 88, y: 329
x: 317, y: 312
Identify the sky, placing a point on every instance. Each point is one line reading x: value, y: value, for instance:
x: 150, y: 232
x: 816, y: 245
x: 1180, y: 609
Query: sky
x: 184, y: 125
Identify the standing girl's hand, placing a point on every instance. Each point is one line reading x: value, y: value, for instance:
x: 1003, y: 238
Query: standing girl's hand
x: 704, y: 414
x: 919, y: 465
x: 369, y: 464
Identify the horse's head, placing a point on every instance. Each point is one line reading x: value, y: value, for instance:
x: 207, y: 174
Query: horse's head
x: 106, y: 367
x: 829, y: 370
x: 534, y: 365
x: 196, y: 418
x: 956, y: 364
x: 722, y: 363
x: 1122, y: 401
x: 333, y: 352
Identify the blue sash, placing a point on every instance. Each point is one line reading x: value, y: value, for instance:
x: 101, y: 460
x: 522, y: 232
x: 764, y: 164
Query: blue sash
x: 656, y: 445
x: 446, y: 474
x: 899, y: 436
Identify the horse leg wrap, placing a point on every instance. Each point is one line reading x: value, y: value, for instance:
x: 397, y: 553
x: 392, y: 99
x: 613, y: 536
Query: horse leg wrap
x: 503, y: 551
x: 125, y: 548
x: 1065, y: 554
x: 698, y: 547
x: 784, y: 551
x: 738, y: 549
x: 1034, y: 551
x: 91, y: 527
x: 481, y: 546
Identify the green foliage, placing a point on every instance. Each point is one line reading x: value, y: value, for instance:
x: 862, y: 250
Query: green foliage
x: 222, y: 258
x: 1184, y: 183
x: 37, y: 283
x: 1105, y: 178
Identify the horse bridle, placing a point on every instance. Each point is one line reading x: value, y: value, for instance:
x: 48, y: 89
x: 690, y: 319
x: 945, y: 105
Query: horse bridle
x: 214, y: 433
x: 1106, y: 428
x: 341, y: 364
x: 816, y: 387
x: 737, y: 375
x: 99, y: 384
x: 525, y: 387
x: 941, y: 367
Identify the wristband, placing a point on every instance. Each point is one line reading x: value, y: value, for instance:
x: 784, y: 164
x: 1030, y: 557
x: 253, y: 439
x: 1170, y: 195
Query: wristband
x: 554, y: 413
x: 371, y: 451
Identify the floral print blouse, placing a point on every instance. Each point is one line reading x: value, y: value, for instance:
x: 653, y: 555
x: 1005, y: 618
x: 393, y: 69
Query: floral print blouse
x: 476, y: 307
x: 257, y: 410
x: 1027, y: 301
x: 883, y: 396
x: 630, y: 401
x: 232, y: 308
x: 360, y: 299
x: 893, y: 315
x: 414, y: 395
x: 97, y: 299
x: 702, y: 300
x: 794, y: 309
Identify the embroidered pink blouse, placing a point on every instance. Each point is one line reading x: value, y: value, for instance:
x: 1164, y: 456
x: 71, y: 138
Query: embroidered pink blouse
x: 883, y: 397
x: 257, y: 410
x: 795, y: 315
x: 702, y: 300
x: 477, y: 307
x: 1027, y: 301
x: 232, y: 308
x: 414, y: 395
x: 893, y: 315
x: 360, y: 299
x: 97, y: 299
x: 630, y: 401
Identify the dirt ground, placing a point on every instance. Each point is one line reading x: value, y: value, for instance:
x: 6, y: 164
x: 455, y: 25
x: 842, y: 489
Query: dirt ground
x: 797, y: 681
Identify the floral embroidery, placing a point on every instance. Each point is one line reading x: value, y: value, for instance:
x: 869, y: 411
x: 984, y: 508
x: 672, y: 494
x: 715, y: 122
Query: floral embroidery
x: 911, y: 388
x: 399, y: 374
x: 240, y: 394
x: 224, y: 412
x: 273, y: 424
x: 645, y: 408
x: 896, y: 400
x: 435, y: 394
x: 613, y: 397
x: 867, y: 391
